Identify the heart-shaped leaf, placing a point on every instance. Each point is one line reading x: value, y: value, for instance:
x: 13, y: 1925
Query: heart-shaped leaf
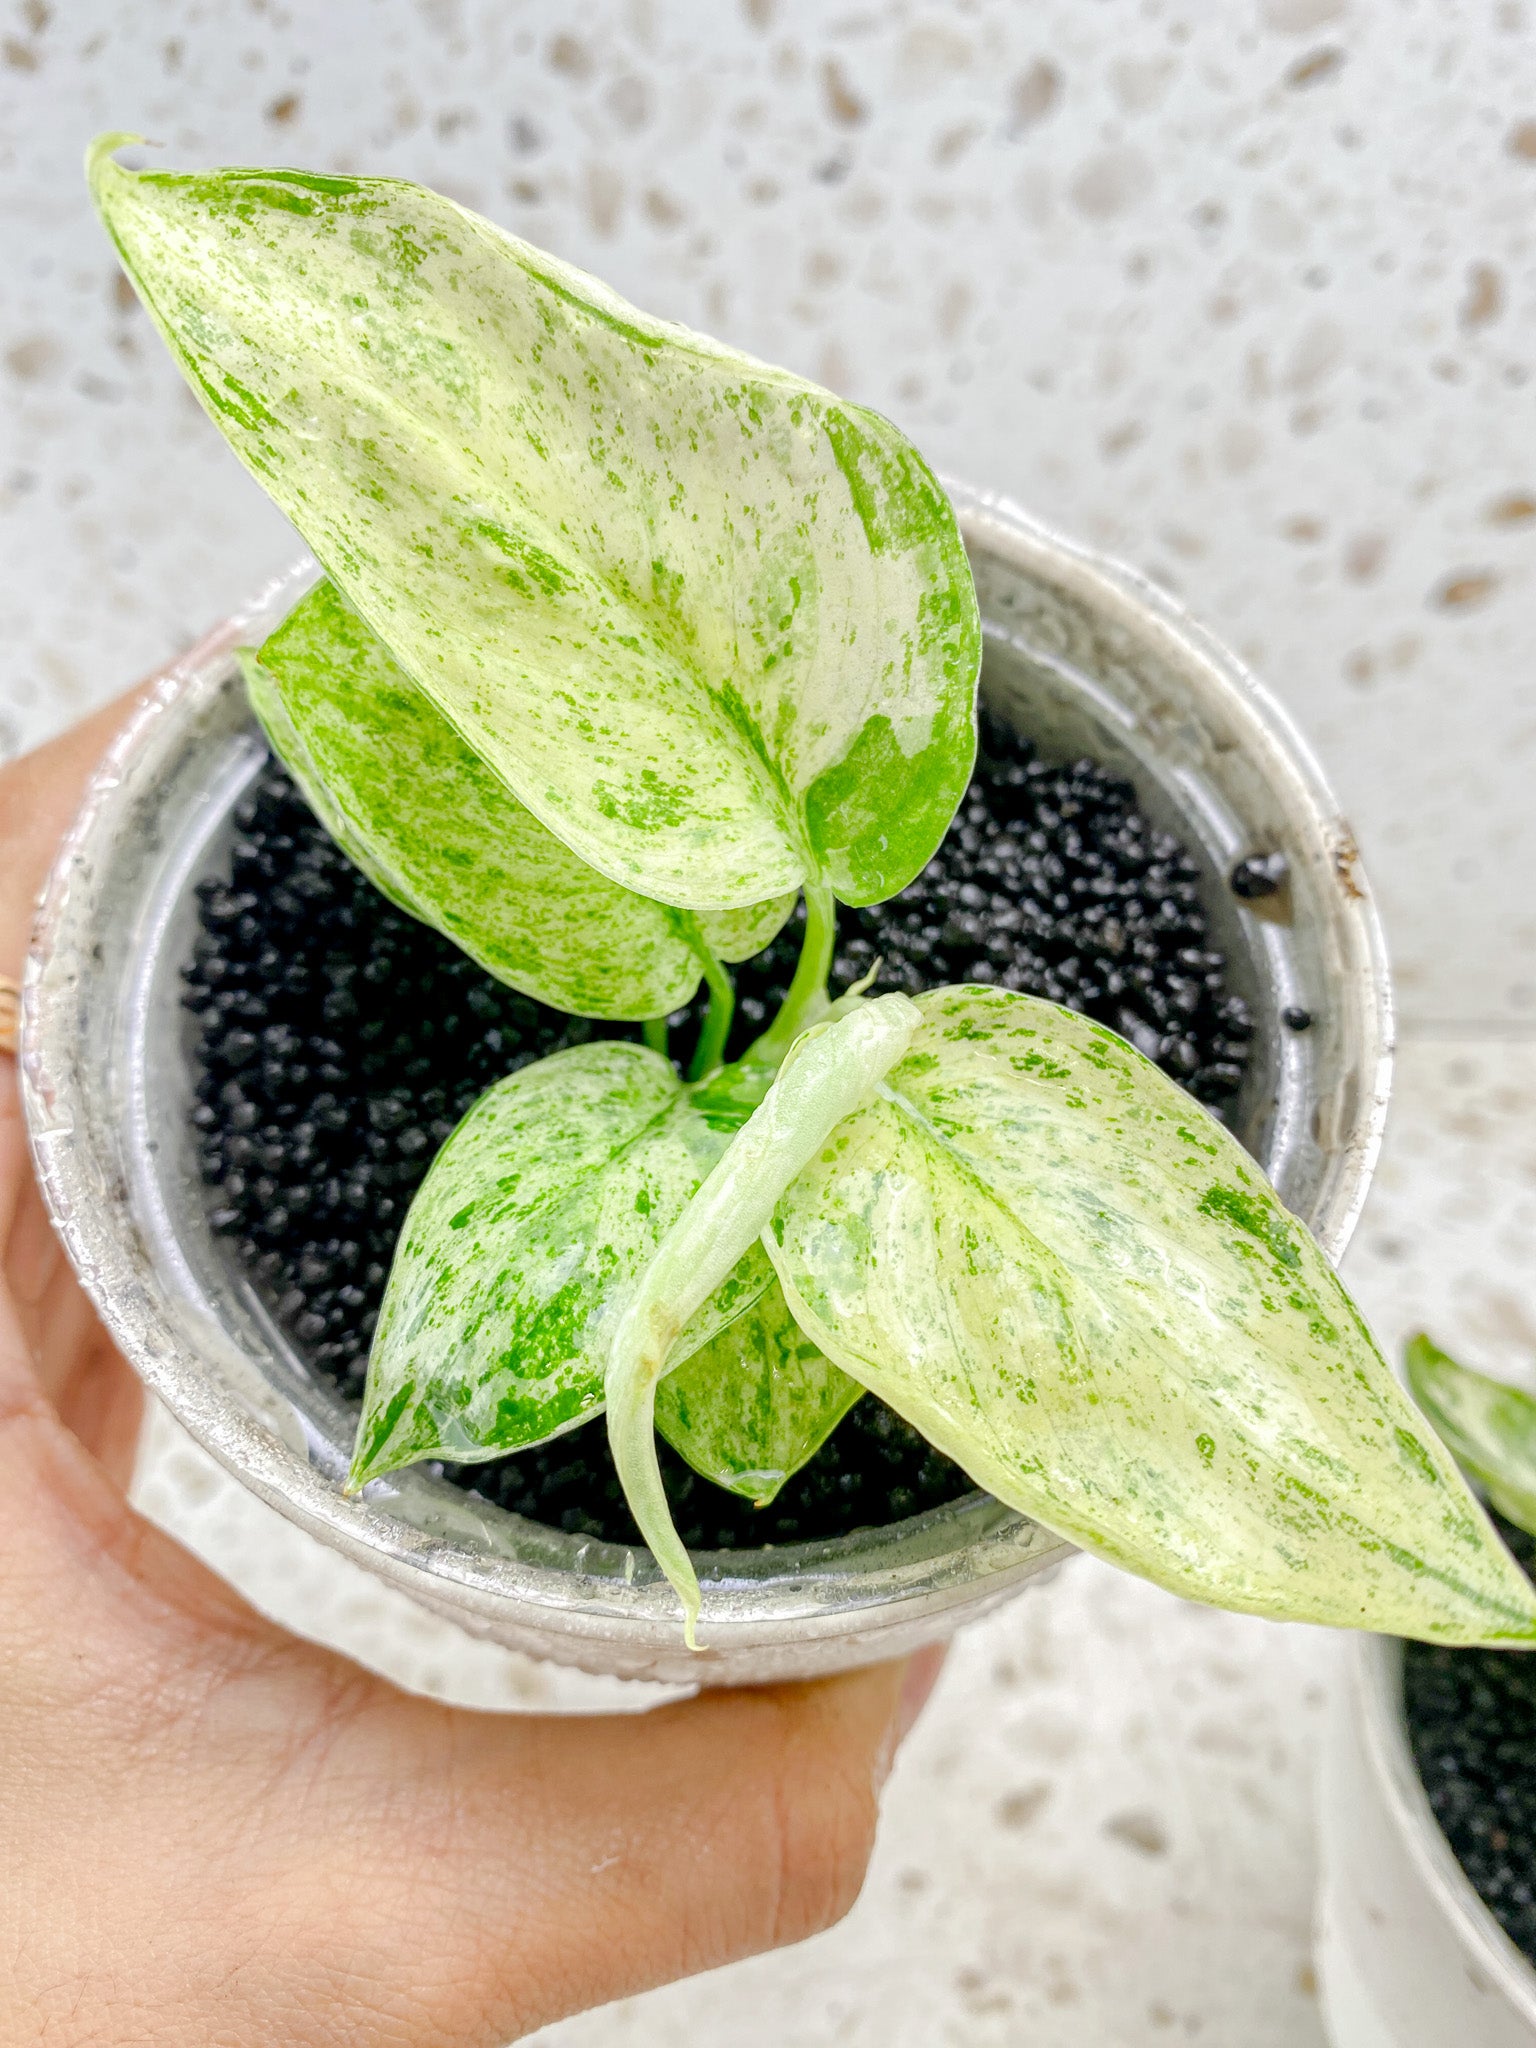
x: 522, y: 1249
x: 1070, y: 1278
x: 443, y: 837
x: 1488, y: 1426
x: 713, y: 625
x: 751, y: 1406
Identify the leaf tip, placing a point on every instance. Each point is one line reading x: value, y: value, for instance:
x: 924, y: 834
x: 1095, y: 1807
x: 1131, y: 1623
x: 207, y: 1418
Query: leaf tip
x: 101, y: 150
x: 359, y: 1472
x: 1419, y: 1351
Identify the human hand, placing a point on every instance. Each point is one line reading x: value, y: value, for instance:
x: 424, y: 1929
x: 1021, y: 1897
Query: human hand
x: 214, y: 1832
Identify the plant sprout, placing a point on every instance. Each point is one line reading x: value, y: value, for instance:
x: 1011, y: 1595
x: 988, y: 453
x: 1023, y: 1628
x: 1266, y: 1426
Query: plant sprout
x: 624, y: 639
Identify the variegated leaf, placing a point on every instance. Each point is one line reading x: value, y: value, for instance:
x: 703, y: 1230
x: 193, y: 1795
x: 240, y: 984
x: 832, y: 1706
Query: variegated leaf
x: 713, y: 625
x: 751, y: 1406
x: 1070, y: 1278
x: 521, y: 1251
x: 443, y: 837
x: 1488, y: 1426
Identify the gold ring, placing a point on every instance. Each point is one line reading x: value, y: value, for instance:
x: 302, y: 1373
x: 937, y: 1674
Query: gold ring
x: 10, y: 1014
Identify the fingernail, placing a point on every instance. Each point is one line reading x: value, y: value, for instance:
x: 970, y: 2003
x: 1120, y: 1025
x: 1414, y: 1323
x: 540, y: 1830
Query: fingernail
x: 922, y: 1675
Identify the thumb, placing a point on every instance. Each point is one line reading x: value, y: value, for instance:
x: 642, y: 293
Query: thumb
x: 517, y: 1869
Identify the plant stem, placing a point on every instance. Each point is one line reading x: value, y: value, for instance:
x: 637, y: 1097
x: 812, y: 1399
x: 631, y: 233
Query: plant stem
x: 653, y: 1032
x: 729, y: 1097
x: 717, y: 1019
x: 807, y: 993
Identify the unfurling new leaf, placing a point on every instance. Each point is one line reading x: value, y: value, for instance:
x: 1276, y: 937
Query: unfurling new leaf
x: 827, y: 1073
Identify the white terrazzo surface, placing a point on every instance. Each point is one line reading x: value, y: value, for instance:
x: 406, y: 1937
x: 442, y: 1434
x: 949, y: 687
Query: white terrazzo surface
x: 1243, y: 292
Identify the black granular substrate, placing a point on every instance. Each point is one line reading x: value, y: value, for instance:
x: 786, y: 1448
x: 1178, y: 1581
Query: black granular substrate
x: 1051, y: 881
x: 1472, y: 1723
x: 341, y: 1041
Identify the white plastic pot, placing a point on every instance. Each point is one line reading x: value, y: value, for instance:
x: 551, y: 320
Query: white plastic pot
x: 1407, y: 1954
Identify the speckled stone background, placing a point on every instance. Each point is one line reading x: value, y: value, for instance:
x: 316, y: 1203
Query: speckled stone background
x: 1243, y: 292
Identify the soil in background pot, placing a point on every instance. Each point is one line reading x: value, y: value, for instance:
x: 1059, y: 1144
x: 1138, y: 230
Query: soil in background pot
x: 1472, y: 1723
x: 341, y: 1041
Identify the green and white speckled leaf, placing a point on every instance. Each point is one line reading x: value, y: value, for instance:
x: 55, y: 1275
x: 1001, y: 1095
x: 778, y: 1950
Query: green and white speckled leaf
x: 1069, y: 1277
x: 1488, y: 1426
x: 521, y: 1251
x: 753, y: 1404
x: 713, y: 625
x: 443, y: 837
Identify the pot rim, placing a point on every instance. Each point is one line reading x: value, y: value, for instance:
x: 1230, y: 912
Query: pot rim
x: 1376, y: 1689
x: 880, y: 1584
x: 1132, y: 599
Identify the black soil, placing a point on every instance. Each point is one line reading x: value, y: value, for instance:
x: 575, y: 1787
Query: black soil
x: 341, y: 1041
x: 1472, y: 1722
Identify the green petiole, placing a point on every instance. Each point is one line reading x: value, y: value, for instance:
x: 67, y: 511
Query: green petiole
x: 729, y: 1095
x: 717, y: 1019
x: 806, y: 997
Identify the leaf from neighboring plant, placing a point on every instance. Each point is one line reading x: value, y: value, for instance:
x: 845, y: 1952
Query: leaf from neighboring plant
x: 1071, y: 1279
x: 521, y: 1250
x: 1488, y: 1426
x: 443, y: 837
x: 713, y: 625
x: 751, y: 1406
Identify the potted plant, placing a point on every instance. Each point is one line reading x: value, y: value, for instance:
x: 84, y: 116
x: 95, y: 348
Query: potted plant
x: 1427, y: 1919
x: 626, y: 641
